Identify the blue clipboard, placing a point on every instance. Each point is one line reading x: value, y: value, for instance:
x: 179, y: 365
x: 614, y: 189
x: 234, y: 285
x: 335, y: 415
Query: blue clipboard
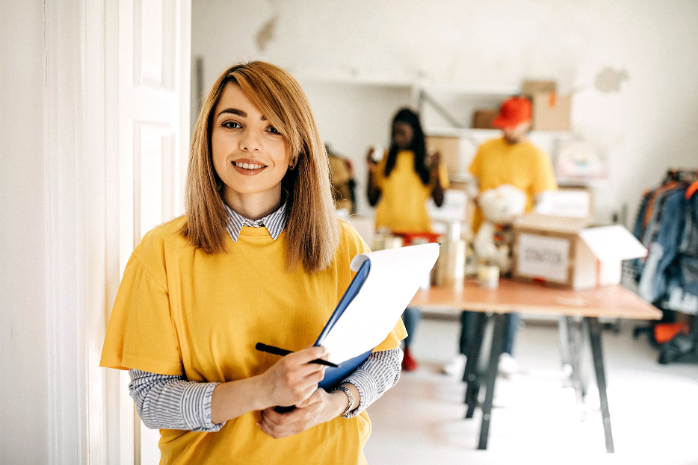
x: 334, y: 376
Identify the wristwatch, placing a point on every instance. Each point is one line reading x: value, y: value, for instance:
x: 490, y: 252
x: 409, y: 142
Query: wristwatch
x: 346, y: 391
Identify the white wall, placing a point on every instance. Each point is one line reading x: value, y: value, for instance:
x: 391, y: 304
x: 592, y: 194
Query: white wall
x: 647, y: 125
x: 23, y: 348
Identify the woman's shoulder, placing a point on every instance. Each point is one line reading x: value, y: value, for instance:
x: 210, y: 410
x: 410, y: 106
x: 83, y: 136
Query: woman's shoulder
x: 350, y: 238
x: 165, y: 236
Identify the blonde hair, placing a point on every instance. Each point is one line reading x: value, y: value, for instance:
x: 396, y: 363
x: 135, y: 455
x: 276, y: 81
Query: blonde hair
x: 311, y: 224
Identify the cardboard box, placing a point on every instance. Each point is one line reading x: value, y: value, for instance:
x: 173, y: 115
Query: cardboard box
x: 482, y: 118
x: 569, y: 252
x: 530, y: 88
x: 448, y: 146
x: 454, y: 208
x: 576, y: 202
x: 551, y: 111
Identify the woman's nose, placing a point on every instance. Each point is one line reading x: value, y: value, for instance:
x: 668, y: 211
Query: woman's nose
x: 250, y: 141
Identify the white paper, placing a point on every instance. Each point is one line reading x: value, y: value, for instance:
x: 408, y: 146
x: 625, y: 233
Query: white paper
x: 453, y: 208
x: 574, y: 203
x: 393, y: 280
x: 612, y: 243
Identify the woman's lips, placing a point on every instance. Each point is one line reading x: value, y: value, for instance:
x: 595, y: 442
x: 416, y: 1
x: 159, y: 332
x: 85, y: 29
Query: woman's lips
x: 248, y: 167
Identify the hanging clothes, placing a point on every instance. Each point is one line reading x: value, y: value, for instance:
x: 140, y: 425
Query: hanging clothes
x: 667, y: 224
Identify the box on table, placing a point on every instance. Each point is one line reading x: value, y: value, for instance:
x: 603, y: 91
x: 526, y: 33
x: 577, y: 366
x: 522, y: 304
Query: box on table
x: 567, y: 201
x: 454, y: 207
x: 569, y: 252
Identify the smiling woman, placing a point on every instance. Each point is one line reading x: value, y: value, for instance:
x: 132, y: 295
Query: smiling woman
x: 271, y: 111
x: 259, y: 257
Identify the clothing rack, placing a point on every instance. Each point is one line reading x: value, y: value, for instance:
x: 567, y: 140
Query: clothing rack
x: 666, y: 223
x: 681, y: 175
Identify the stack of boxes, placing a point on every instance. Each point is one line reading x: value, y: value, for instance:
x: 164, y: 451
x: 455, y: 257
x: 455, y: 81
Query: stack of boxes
x: 551, y: 111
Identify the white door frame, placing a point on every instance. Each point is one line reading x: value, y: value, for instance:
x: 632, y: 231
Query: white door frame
x: 90, y: 417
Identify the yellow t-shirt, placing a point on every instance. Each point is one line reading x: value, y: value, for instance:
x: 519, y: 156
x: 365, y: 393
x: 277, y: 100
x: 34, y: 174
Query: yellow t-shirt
x: 402, y: 206
x: 523, y: 165
x: 181, y: 311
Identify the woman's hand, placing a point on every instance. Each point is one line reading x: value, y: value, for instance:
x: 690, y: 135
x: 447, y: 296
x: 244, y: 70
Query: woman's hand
x: 370, y: 162
x: 320, y: 407
x: 437, y: 192
x: 290, y: 381
x: 372, y: 192
x: 293, y: 379
x: 435, y: 161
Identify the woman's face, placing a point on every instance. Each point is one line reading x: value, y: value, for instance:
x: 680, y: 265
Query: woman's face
x: 249, y: 154
x: 402, y: 135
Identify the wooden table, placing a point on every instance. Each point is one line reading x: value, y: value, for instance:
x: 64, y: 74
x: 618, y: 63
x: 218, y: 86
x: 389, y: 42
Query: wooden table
x: 514, y: 297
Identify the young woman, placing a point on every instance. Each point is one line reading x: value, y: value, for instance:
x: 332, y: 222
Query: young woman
x: 400, y: 184
x: 258, y: 257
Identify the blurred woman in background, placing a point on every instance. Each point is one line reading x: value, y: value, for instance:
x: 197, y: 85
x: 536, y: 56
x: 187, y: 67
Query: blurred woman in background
x: 399, y: 185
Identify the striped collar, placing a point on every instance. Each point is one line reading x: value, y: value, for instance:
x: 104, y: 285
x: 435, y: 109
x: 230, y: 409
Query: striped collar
x: 274, y: 222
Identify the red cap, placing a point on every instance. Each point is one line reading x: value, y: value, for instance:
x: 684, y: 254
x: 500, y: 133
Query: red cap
x: 513, y: 112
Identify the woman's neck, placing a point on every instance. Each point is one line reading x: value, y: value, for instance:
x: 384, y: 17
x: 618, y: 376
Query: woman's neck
x: 254, y: 206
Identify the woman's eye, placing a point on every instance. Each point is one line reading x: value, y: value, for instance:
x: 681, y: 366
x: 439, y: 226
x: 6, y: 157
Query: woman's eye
x: 273, y: 130
x: 231, y: 125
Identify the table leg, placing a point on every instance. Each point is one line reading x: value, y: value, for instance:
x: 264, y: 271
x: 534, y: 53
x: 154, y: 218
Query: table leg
x: 470, y: 375
x: 564, y: 341
x: 574, y: 335
x: 501, y: 324
x: 595, y: 338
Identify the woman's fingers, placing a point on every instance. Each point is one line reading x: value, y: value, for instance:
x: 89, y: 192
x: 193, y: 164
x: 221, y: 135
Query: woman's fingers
x: 309, y: 413
x: 293, y: 378
x: 279, y: 425
x: 314, y: 398
x: 308, y: 354
x: 299, y: 368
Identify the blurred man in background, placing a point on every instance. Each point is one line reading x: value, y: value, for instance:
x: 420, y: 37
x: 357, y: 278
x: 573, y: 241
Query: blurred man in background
x: 510, y: 159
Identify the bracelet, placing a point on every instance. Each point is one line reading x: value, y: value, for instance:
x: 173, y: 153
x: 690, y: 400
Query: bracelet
x: 350, y: 396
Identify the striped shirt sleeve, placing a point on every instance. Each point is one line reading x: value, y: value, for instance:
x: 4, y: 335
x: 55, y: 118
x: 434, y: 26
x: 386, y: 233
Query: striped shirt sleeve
x: 377, y: 374
x: 172, y: 402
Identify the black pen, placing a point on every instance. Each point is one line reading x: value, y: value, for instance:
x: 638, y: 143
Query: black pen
x: 276, y: 351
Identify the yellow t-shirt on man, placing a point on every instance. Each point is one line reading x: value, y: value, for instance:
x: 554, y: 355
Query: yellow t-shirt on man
x: 182, y: 311
x: 402, y: 206
x: 523, y: 165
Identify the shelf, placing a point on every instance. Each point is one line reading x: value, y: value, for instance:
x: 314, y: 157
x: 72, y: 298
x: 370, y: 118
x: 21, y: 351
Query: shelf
x: 387, y: 81
x: 484, y: 92
x: 359, y: 80
x: 488, y: 133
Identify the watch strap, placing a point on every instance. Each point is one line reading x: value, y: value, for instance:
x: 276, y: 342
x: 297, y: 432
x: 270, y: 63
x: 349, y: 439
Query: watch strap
x: 350, y: 396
